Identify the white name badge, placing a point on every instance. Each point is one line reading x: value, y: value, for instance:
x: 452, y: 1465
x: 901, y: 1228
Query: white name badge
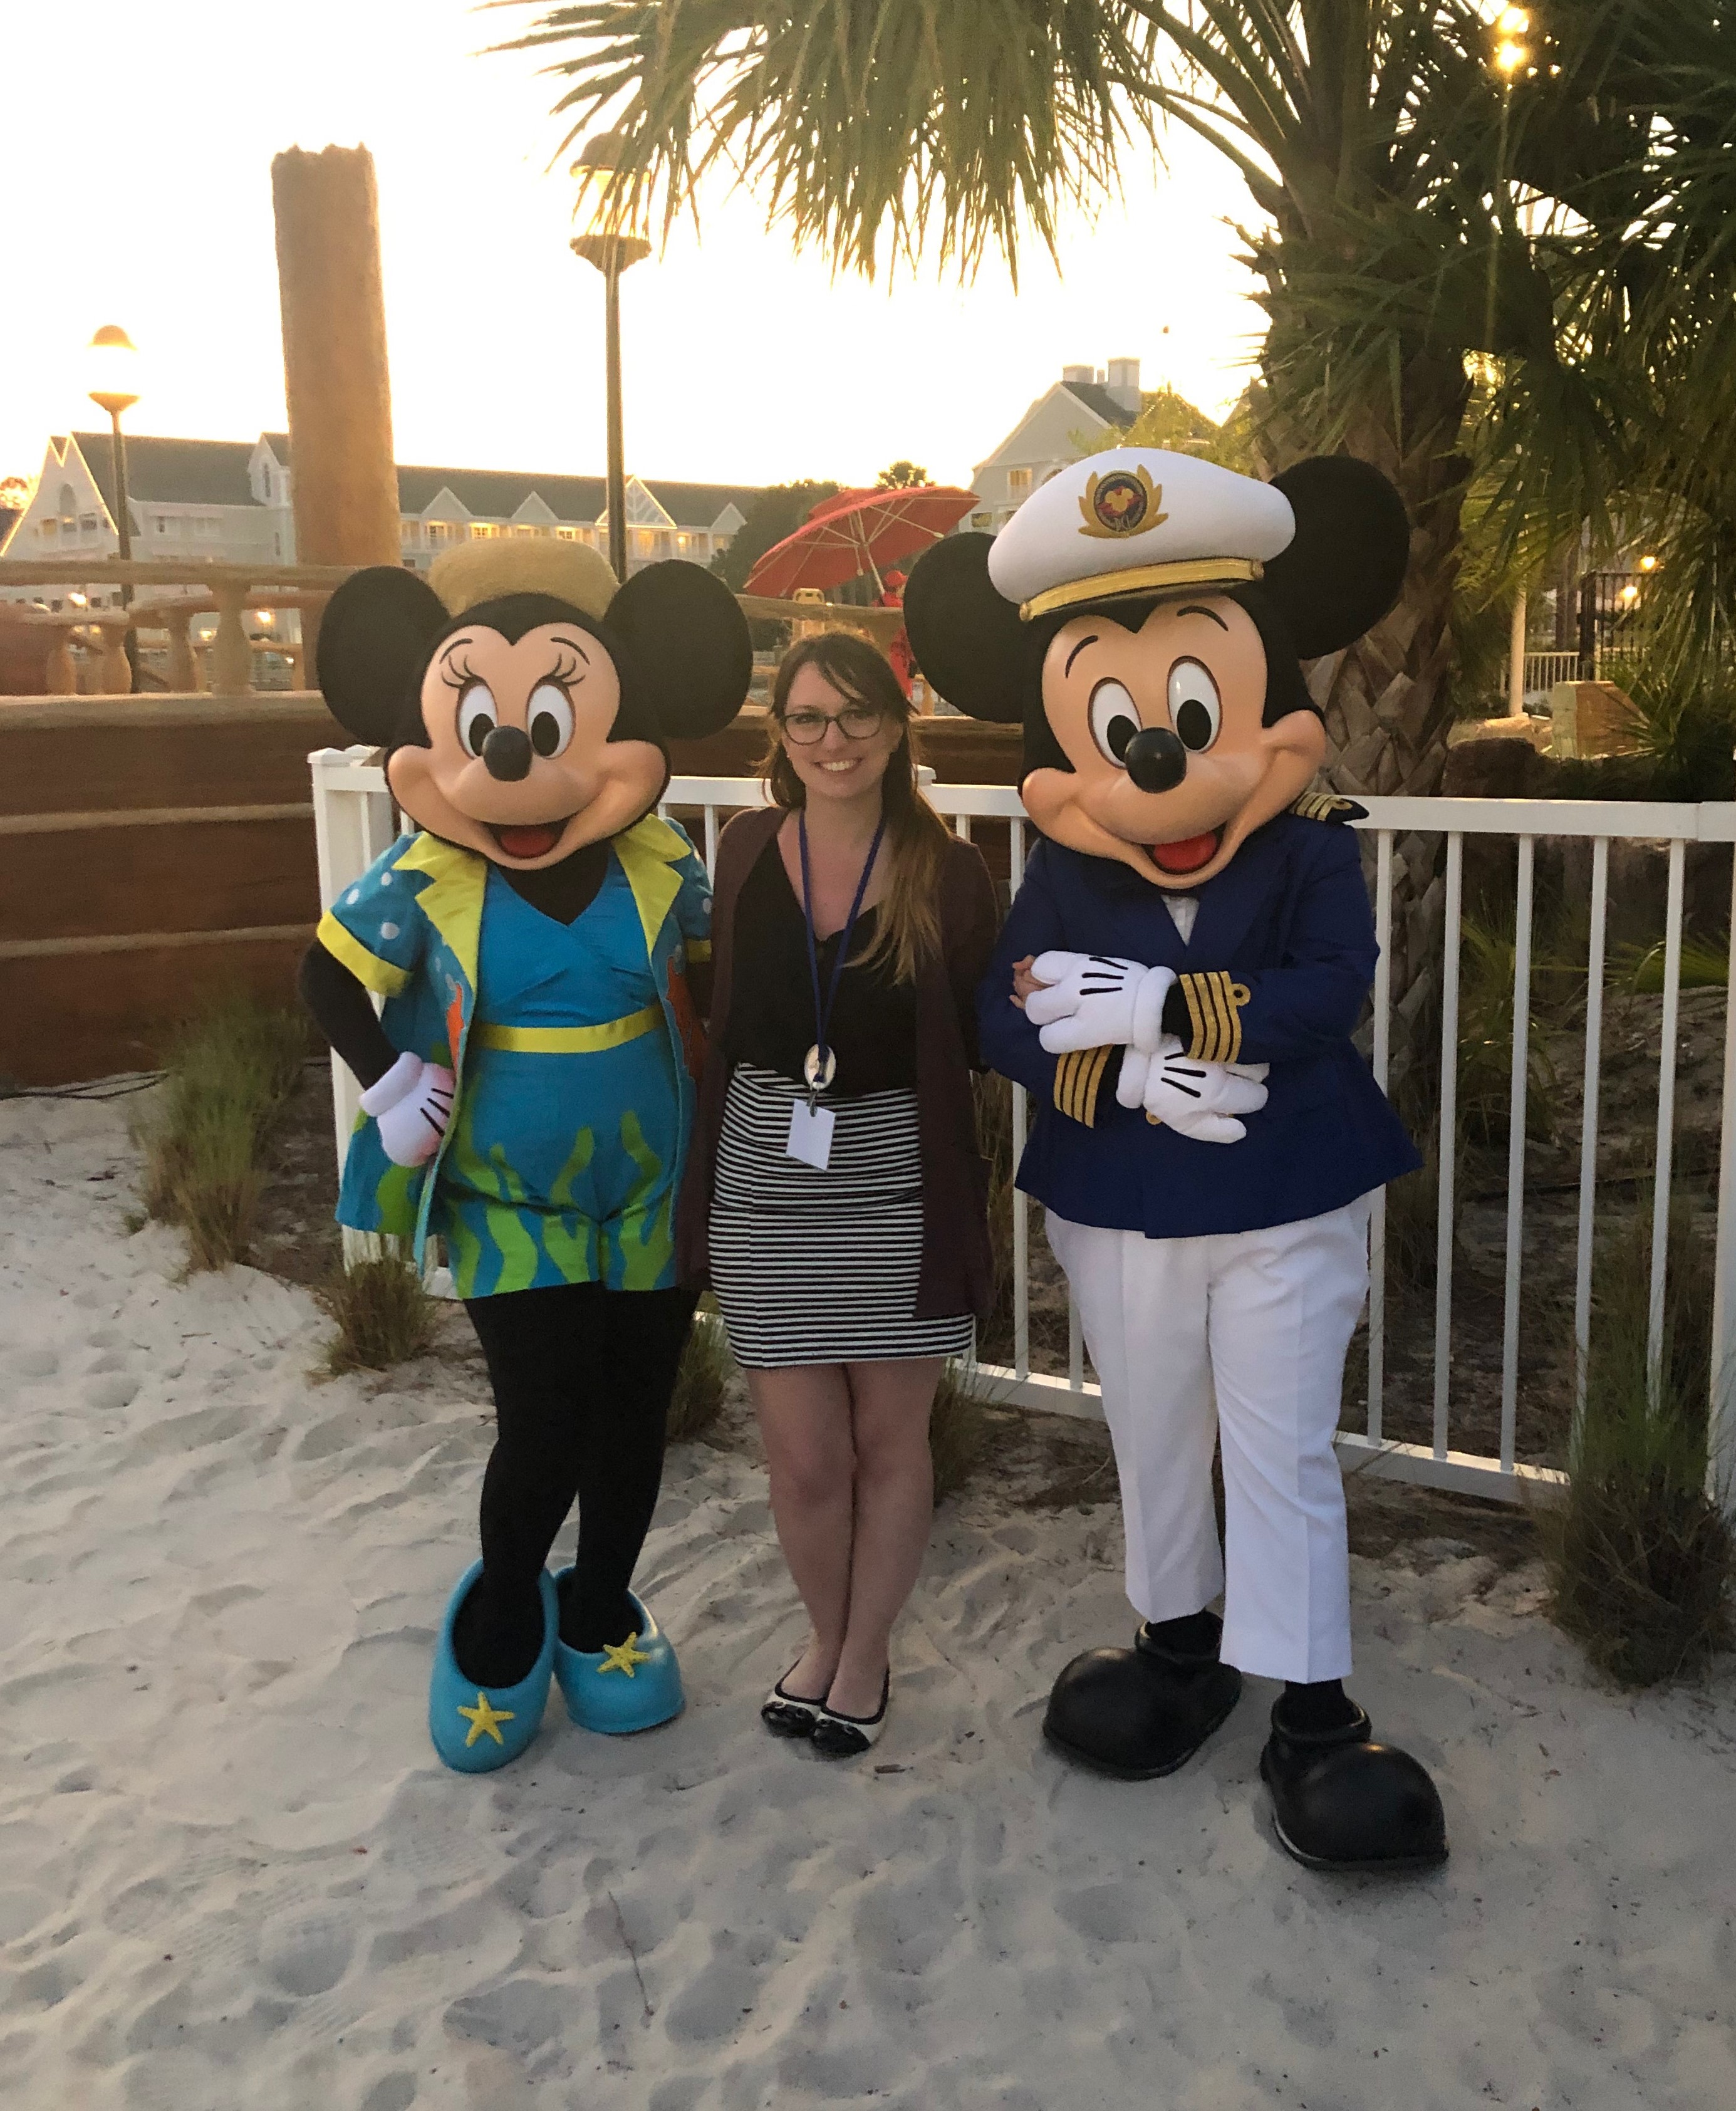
x: 810, y: 1135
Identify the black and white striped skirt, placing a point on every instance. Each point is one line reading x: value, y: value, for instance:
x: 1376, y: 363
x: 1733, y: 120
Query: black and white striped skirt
x: 821, y: 1267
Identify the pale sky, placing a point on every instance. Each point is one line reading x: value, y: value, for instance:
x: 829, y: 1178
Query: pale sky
x: 138, y: 144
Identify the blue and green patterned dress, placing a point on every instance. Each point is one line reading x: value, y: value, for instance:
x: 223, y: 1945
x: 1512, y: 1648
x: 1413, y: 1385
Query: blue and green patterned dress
x: 575, y: 1047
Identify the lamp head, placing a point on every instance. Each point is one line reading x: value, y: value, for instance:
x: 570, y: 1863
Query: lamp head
x: 112, y: 365
x: 603, y: 243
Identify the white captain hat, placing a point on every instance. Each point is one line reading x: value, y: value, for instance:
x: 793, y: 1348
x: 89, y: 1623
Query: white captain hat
x: 1136, y: 520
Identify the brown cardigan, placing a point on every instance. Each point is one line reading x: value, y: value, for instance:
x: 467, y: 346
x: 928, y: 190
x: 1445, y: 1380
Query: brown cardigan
x: 956, y: 1274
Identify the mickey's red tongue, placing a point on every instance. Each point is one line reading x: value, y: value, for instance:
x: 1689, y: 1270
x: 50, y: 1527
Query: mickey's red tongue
x: 536, y: 840
x: 1187, y: 855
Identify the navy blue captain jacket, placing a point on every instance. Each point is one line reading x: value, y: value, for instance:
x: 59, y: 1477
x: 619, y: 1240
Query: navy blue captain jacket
x: 1281, y: 958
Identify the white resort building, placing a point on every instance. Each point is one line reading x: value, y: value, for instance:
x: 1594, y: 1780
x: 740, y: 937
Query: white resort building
x: 1070, y: 419
x: 228, y: 501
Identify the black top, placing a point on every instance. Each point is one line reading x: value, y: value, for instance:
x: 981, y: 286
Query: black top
x: 873, y: 1029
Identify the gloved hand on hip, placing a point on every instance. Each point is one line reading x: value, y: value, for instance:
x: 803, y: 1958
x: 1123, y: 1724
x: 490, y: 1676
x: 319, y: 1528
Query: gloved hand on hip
x: 412, y: 1103
x: 1198, y: 1100
x: 1092, y: 1000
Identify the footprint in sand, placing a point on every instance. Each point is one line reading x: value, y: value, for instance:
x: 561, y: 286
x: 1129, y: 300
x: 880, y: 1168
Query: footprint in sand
x: 308, y: 1955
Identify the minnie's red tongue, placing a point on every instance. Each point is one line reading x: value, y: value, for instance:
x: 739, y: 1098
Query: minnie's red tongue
x: 1187, y: 855
x: 534, y: 842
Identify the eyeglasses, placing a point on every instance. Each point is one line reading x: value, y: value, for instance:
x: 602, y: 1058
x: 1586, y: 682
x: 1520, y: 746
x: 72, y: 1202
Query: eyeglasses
x: 808, y: 729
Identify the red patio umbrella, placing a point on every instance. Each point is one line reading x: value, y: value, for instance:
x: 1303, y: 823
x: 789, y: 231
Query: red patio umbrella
x: 856, y: 532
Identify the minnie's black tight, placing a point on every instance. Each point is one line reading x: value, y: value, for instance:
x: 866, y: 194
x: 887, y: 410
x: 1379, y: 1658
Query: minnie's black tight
x: 582, y: 1380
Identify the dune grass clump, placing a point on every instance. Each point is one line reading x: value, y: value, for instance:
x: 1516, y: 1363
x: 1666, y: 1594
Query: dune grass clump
x: 1640, y: 1557
x: 384, y: 1316
x: 700, y: 1384
x: 230, y: 1074
x: 957, y: 1428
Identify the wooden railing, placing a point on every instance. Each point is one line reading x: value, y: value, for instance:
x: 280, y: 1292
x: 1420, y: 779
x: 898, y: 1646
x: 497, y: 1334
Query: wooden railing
x: 229, y: 590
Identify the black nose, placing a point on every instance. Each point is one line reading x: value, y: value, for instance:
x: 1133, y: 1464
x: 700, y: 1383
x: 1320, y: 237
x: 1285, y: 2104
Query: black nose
x: 506, y: 753
x: 1156, y: 760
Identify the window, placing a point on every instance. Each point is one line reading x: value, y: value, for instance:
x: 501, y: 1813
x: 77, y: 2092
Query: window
x: 566, y: 534
x: 162, y: 525
x: 69, y: 500
x: 267, y: 487
x: 645, y: 542
x: 410, y: 531
x: 482, y: 531
x: 682, y: 544
x: 521, y: 531
x: 50, y: 529
x: 87, y: 523
x: 1018, y: 485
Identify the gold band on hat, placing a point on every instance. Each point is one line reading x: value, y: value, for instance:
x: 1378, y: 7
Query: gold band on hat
x: 1144, y: 579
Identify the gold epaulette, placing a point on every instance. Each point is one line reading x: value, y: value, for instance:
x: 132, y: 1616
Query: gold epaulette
x: 1214, y: 1008
x: 1328, y: 806
x: 1077, y: 1077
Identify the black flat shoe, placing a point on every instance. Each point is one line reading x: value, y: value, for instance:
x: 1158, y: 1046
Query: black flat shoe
x: 1139, y: 1713
x: 838, y: 1736
x: 786, y: 1714
x: 1340, y: 1801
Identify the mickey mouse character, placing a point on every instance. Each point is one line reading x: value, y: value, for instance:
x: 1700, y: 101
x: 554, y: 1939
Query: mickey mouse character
x: 1186, y: 958
x: 529, y: 1085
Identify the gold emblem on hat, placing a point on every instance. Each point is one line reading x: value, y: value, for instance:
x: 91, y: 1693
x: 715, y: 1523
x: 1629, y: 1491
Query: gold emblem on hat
x: 1122, y: 503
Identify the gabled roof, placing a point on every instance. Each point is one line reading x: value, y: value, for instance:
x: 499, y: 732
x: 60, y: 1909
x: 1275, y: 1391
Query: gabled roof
x: 218, y: 473
x: 184, y: 472
x: 1099, y: 402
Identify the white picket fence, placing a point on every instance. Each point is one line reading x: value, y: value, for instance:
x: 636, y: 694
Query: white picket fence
x: 355, y: 821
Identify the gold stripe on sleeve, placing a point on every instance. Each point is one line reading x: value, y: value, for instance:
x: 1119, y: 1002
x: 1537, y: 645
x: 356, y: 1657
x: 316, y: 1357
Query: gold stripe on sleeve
x: 1196, y: 1017
x: 369, y: 969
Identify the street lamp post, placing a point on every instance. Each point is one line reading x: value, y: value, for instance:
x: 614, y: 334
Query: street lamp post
x: 612, y: 253
x: 112, y: 357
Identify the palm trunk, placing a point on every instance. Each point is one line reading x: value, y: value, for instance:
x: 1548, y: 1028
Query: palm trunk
x: 1387, y: 699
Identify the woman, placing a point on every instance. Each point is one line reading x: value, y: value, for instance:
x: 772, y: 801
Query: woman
x: 835, y: 1197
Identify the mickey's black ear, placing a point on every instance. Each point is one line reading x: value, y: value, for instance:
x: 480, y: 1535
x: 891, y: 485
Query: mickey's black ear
x: 1344, y: 569
x: 968, y: 639
x: 686, y: 645
x: 374, y: 641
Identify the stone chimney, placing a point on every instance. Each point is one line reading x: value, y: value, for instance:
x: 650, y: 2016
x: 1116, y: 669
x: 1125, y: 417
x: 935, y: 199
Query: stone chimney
x: 1078, y: 373
x: 1123, y: 384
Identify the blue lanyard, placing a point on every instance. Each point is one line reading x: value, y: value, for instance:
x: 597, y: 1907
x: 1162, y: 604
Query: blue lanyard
x: 823, y: 1015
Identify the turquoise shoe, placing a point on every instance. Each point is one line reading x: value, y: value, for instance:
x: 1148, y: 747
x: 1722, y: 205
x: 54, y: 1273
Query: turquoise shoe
x: 635, y: 1686
x: 476, y: 1729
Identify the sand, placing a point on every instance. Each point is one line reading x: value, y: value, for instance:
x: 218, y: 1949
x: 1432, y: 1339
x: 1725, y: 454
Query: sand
x: 231, y: 1872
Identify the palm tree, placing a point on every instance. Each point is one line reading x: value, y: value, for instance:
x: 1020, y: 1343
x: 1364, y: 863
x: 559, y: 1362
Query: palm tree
x: 1368, y: 135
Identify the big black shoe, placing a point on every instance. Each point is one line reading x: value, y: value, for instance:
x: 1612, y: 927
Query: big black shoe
x: 1138, y: 1713
x: 1340, y: 1801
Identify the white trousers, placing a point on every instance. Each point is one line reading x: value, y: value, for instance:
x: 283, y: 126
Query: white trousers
x: 1239, y: 1337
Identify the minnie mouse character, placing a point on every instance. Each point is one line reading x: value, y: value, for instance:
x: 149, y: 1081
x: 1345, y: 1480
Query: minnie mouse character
x: 1185, y: 959
x: 530, y: 1084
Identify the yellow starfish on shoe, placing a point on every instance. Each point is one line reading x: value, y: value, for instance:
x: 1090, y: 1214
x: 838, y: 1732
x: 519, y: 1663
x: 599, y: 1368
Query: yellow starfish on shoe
x: 622, y: 1656
x: 484, y: 1720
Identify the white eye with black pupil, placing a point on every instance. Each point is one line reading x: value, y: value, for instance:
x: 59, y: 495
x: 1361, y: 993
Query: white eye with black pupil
x: 477, y: 717
x: 550, y: 719
x: 1195, y: 709
x: 1114, y: 720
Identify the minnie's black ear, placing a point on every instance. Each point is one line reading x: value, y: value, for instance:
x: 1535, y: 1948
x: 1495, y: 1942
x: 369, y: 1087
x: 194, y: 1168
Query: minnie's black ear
x: 686, y: 646
x: 1344, y: 569
x: 968, y: 639
x: 374, y: 641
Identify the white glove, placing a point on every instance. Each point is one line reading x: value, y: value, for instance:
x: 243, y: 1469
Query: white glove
x: 1094, y: 1001
x: 412, y: 1103
x: 1197, y: 1100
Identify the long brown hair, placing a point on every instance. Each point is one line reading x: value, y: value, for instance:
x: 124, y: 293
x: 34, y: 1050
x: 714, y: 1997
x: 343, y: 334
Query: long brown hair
x: 917, y: 837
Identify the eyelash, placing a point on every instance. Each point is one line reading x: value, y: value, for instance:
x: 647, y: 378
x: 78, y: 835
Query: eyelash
x: 459, y: 674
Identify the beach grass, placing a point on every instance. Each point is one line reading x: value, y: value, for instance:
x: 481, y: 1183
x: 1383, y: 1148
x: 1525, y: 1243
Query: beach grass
x: 1640, y: 1556
x: 703, y: 1379
x: 229, y: 1076
x: 383, y: 1314
x: 957, y: 1428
